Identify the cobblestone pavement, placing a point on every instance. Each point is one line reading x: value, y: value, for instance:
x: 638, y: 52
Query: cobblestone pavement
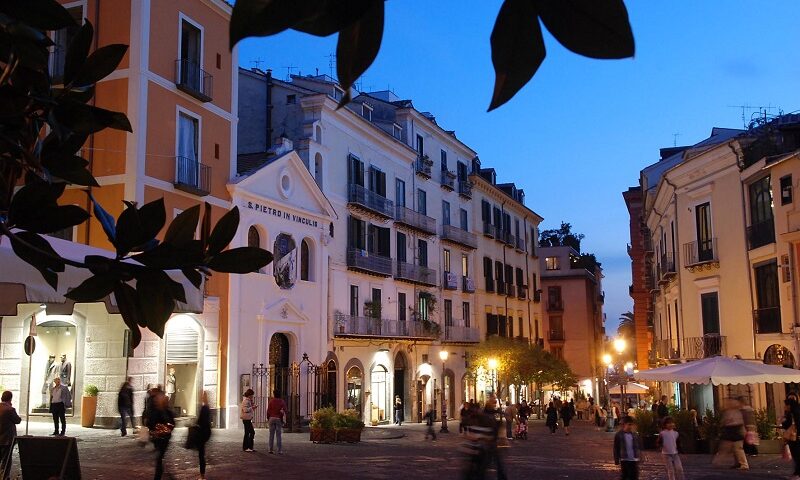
x: 385, y: 453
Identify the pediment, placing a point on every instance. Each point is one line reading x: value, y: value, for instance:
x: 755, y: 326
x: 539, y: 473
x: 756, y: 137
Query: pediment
x: 283, y: 310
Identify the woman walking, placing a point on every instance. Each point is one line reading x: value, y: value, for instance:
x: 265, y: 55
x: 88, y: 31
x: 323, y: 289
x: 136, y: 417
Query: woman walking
x: 552, y: 417
x: 160, y: 422
x: 567, y: 412
x: 204, y: 433
x: 246, y: 414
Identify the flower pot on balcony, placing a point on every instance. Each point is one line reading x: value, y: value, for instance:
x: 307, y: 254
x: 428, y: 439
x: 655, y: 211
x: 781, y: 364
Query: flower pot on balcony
x: 322, y: 435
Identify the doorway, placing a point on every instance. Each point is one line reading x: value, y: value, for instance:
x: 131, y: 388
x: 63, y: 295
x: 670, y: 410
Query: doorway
x: 183, y: 349
x: 380, y: 394
x: 53, y: 358
x: 400, y: 369
x: 279, y: 364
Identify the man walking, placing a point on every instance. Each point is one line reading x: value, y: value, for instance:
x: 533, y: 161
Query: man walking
x: 8, y: 430
x: 60, y: 401
x: 125, y: 405
x: 276, y: 410
x: 509, y: 413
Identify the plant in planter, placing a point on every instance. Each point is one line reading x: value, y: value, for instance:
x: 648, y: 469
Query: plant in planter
x: 684, y: 424
x: 646, y: 425
x: 348, y: 426
x: 769, y: 439
x: 709, y: 431
x: 431, y: 327
x: 323, y: 425
x: 89, y: 405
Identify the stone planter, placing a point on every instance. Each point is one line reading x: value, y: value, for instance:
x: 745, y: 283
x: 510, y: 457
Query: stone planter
x: 770, y: 446
x: 322, y: 435
x: 88, y: 411
x: 349, y: 435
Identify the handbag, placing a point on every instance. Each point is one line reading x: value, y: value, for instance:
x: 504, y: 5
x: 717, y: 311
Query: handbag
x: 790, y: 434
x: 162, y: 430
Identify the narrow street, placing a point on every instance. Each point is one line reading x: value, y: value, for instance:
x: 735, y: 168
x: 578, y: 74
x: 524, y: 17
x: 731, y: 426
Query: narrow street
x: 386, y: 453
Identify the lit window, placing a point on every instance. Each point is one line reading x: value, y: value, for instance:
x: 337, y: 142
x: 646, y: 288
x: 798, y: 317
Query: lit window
x: 552, y: 263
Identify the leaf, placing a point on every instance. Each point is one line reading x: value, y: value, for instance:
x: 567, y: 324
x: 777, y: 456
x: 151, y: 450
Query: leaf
x: 205, y: 225
x: 31, y: 198
x: 326, y: 17
x: 36, y: 251
x: 77, y: 51
x: 240, y: 260
x: 137, y: 228
x: 128, y: 305
x: 592, y: 28
x: 176, y: 290
x: 181, y: 230
x: 261, y: 18
x: 193, y: 276
x: 224, y: 231
x: 153, y: 216
x: 83, y: 119
x: 100, y: 64
x: 358, y: 46
x: 105, y: 219
x: 93, y: 288
x: 53, y: 219
x: 517, y: 49
x: 41, y: 14
x: 154, y: 295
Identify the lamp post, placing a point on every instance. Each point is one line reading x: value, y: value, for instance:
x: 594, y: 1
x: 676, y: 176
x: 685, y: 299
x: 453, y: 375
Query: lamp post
x: 607, y: 361
x: 619, y: 345
x: 493, y: 368
x: 443, y: 355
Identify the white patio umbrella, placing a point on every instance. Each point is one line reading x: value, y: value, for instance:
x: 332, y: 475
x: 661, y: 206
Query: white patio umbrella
x: 631, y: 388
x: 720, y: 371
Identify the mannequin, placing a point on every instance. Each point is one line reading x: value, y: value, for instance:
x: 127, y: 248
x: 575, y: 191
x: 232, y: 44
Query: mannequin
x: 50, y: 374
x: 170, y: 386
x: 65, y: 371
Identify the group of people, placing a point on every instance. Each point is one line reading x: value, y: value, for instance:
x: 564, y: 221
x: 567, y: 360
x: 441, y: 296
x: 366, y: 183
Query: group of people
x: 558, y: 410
x: 276, y: 418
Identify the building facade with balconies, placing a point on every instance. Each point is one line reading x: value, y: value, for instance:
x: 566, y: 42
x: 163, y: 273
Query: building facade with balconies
x: 572, y: 296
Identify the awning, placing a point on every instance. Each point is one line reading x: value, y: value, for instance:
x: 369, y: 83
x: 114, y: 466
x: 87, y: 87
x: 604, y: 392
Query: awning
x: 721, y: 371
x: 631, y: 388
x: 21, y: 283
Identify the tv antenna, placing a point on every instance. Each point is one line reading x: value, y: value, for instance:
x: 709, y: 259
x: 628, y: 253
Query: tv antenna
x: 331, y: 62
x: 257, y: 63
x: 753, y: 109
x: 675, y: 139
x: 289, y: 71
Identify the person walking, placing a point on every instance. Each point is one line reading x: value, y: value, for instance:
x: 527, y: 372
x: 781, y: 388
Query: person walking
x: 276, y: 411
x: 160, y: 422
x: 125, y: 405
x: 627, y: 449
x: 567, y: 413
x: 246, y: 410
x: 60, y: 401
x: 398, y: 410
x: 492, y: 452
x: 510, y: 412
x: 750, y: 430
x: 552, y: 417
x: 462, y: 417
x: 732, y: 433
x: 430, y: 418
x: 8, y: 431
x: 203, y: 433
x: 790, y: 424
x: 669, y: 440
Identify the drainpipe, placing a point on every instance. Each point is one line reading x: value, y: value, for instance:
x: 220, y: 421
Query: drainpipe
x: 505, y: 297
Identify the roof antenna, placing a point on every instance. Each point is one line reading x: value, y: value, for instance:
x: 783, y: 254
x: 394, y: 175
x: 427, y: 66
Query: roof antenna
x: 331, y: 62
x: 257, y: 63
x: 675, y: 139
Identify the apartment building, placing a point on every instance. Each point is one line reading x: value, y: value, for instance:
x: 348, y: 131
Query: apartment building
x: 182, y: 149
x: 573, y: 323
x: 641, y: 276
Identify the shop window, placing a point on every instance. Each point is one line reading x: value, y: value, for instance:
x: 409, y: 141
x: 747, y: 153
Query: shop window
x: 380, y: 394
x: 183, y: 349
x: 354, y: 389
x: 53, y: 358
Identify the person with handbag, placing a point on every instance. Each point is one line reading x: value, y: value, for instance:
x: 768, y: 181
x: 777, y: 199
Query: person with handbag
x: 160, y: 422
x: 791, y: 419
x: 751, y: 441
x: 732, y: 433
x: 246, y: 410
x: 200, y: 433
x: 276, y: 410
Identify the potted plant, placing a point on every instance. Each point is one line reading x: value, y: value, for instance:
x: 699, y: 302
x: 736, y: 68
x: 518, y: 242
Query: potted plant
x: 769, y: 439
x: 348, y: 426
x: 684, y: 424
x: 323, y: 426
x: 648, y: 430
x: 89, y: 405
x: 709, y: 432
x: 372, y: 309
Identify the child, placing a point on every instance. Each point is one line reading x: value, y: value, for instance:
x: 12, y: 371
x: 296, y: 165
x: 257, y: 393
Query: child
x: 430, y: 417
x: 668, y: 439
x: 627, y: 449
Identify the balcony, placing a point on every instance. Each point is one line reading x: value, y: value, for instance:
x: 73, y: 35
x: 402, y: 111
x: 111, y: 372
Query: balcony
x: 511, y: 290
x: 767, y: 320
x: 700, y: 255
x: 454, y: 234
x: 501, y: 288
x: 193, y: 80
x: 448, y: 180
x: 192, y: 176
x: 415, y: 274
x: 353, y: 326
x: 489, y: 229
x: 367, y: 262
x: 489, y: 285
x: 468, y: 285
x: 461, y: 334
x: 522, y: 292
x: 555, y: 335
x: 520, y: 244
x: 666, y: 268
x: 465, y: 188
x: 418, y: 221
x: 537, y: 296
x: 647, y: 241
x: 555, y: 305
x: 691, y: 348
x: 506, y: 237
x: 450, y: 281
x: 423, y: 166
x: 362, y: 198
x: 760, y: 234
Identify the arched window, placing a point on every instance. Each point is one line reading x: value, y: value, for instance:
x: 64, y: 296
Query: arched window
x: 354, y: 388
x: 253, y: 237
x: 305, y: 261
x: 329, y: 399
x: 318, y: 134
x: 318, y: 169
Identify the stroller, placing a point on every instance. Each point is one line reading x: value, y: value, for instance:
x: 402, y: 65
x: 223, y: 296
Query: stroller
x: 521, y: 430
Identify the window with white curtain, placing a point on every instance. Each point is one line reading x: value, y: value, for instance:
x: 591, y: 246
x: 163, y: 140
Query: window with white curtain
x: 188, y: 158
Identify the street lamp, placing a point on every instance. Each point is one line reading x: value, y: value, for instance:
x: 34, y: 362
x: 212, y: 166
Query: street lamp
x: 493, y: 368
x: 608, y: 360
x: 619, y: 345
x: 443, y: 355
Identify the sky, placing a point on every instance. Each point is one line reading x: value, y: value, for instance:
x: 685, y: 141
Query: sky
x: 579, y: 133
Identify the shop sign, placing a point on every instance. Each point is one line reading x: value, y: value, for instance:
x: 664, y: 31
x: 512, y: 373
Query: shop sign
x: 30, y: 345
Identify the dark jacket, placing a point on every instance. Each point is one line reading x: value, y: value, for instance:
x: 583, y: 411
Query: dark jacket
x: 125, y: 397
x: 619, y: 446
x: 8, y: 423
x: 157, y: 416
x: 792, y: 416
x: 204, y: 423
x: 567, y: 411
x: 662, y: 410
x: 552, y: 416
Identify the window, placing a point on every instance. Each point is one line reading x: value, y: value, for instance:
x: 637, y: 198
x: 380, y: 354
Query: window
x: 188, y: 155
x: 557, y: 352
x: 354, y: 300
x: 318, y: 169
x: 521, y: 329
x: 465, y: 264
x: 423, y: 304
x: 422, y: 202
x: 509, y: 277
x: 554, y: 298
x: 191, y: 57
x: 378, y: 240
x: 366, y: 111
x: 461, y: 171
x: 401, y: 247
x: 318, y: 134
x: 444, y: 161
x: 355, y: 171
x: 357, y: 232
x: 498, y: 275
x: 291, y: 99
x: 446, y: 260
x: 487, y: 274
x: 377, y: 181
x: 497, y: 217
x: 448, y: 313
x: 556, y: 328
x: 486, y: 212
x: 375, y: 308
x: 420, y: 145
x: 422, y: 253
x: 399, y: 193
x: 465, y: 313
x: 445, y: 212
x: 491, y: 325
x: 705, y: 242
x: 397, y: 131
x: 67, y: 234
x: 62, y: 38
x: 463, y: 218
x: 709, y: 303
x: 283, y: 265
x: 502, y: 325
x: 520, y: 277
x: 253, y: 237
x: 533, y: 241
x: 305, y: 261
x: 768, y: 298
x: 762, y: 230
x: 786, y: 190
x: 401, y: 306
x: 552, y: 263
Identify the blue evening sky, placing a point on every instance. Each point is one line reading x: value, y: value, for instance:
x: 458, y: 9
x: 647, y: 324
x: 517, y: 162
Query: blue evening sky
x: 577, y: 135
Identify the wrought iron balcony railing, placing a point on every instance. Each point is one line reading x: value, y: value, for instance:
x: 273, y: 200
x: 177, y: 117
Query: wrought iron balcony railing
x: 415, y: 273
x: 448, y: 180
x: 461, y: 333
x: 362, y: 260
x: 465, y: 188
x: 490, y: 230
x: 468, y: 285
x: 696, y: 254
x: 555, y: 305
x: 690, y: 348
x: 423, y: 166
x: 457, y: 235
x: 522, y: 292
x: 192, y: 79
x: 555, y: 335
x: 351, y: 325
x: 362, y: 197
x: 767, y: 320
x: 450, y: 281
x: 415, y: 220
x: 192, y: 176
x: 760, y: 234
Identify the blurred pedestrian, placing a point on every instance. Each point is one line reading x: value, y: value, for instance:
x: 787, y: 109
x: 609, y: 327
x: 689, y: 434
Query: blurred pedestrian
x: 125, y: 405
x: 750, y: 430
x: 8, y: 431
x: 599, y: 417
x: 790, y: 424
x: 246, y: 410
x: 731, y: 437
x: 492, y: 452
x: 661, y: 408
x: 276, y: 413
x: 60, y: 401
x: 627, y: 449
x: 462, y: 417
x: 203, y: 433
x: 509, y: 413
x: 160, y: 422
x: 567, y: 413
x: 669, y: 439
x: 430, y: 418
x: 552, y: 417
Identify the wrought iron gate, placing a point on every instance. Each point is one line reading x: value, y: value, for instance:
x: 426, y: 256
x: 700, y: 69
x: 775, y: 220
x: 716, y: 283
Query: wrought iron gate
x: 287, y: 381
